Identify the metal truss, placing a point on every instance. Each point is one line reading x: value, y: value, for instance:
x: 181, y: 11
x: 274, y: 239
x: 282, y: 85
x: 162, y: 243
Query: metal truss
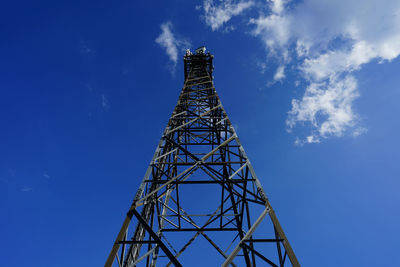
x: 200, y: 154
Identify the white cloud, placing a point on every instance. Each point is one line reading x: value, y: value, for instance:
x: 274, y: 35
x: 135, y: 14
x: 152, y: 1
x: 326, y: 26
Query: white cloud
x: 329, y: 40
x: 216, y: 15
x: 327, y: 107
x: 167, y: 40
x: 332, y: 62
x: 280, y: 73
x: 26, y: 189
x: 277, y: 6
x: 85, y: 49
x: 274, y: 30
x: 261, y: 65
x: 170, y: 43
x: 104, y: 102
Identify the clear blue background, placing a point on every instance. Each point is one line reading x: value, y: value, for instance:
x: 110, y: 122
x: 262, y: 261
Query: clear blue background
x: 70, y: 166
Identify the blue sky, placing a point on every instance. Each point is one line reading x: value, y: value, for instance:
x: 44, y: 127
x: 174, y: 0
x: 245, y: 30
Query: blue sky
x: 87, y: 87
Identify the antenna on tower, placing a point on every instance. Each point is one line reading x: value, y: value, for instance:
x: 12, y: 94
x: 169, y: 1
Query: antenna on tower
x: 201, y: 50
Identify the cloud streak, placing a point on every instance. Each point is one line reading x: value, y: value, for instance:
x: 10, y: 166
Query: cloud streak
x: 216, y: 15
x: 104, y: 102
x: 280, y: 73
x: 26, y: 189
x: 170, y: 43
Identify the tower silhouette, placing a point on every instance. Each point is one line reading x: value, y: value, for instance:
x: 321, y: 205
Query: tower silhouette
x: 200, y: 202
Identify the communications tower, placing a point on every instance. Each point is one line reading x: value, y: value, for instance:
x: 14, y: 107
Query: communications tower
x: 200, y: 202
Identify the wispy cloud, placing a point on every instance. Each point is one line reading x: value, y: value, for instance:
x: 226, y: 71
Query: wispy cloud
x: 274, y: 30
x: 216, y: 15
x: 328, y: 107
x: 172, y: 45
x: 280, y: 73
x: 104, y: 102
x: 26, y: 189
x: 329, y: 41
x: 85, y: 49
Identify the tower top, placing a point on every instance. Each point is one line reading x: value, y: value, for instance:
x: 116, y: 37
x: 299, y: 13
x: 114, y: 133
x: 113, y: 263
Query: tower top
x: 199, y: 61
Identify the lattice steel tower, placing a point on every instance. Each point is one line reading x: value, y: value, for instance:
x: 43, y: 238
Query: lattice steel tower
x: 200, y: 202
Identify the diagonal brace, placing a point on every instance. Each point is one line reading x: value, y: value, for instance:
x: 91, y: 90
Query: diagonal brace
x: 156, y: 238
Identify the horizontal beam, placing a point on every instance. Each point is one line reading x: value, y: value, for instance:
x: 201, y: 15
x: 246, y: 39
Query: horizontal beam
x: 263, y: 240
x: 137, y: 242
x: 194, y: 162
x: 194, y: 91
x: 233, y: 181
x: 197, y: 78
x: 196, y: 84
x: 197, y: 229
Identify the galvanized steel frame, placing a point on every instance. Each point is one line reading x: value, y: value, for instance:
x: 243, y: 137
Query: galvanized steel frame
x: 199, y: 137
